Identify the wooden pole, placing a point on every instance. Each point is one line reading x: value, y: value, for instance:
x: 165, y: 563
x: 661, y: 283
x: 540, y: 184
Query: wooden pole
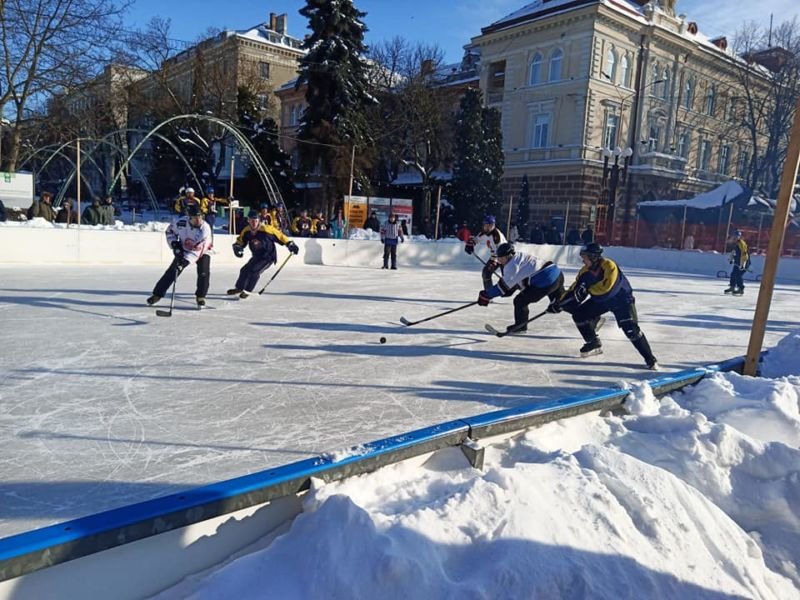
x: 508, y: 222
x: 683, y: 229
x: 774, y: 248
x: 438, y: 209
x: 78, y: 179
x: 346, y: 232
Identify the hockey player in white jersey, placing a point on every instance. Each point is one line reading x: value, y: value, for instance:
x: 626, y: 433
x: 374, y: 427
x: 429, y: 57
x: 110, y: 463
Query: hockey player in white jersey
x: 189, y: 236
x: 534, y: 277
x: 491, y: 237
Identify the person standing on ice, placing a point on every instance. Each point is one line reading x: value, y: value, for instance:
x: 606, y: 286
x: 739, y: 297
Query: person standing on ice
x: 260, y: 238
x: 601, y: 287
x: 189, y: 236
x: 391, y: 233
x: 740, y: 259
x: 535, y: 278
x: 492, y: 237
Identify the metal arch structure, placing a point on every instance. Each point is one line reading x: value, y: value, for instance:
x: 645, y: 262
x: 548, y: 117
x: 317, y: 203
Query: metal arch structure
x: 57, y: 152
x: 267, y: 181
x: 88, y: 154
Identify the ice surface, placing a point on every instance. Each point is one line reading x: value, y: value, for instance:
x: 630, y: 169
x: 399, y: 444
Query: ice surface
x: 104, y: 404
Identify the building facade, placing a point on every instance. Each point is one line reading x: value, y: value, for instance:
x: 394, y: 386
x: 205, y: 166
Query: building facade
x: 606, y: 103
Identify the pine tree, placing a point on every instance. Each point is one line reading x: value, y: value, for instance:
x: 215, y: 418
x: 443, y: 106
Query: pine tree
x: 524, y: 210
x: 337, y: 89
x: 478, y: 165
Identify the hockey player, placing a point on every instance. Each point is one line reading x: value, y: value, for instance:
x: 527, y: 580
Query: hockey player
x: 740, y: 259
x: 189, y: 236
x: 210, y: 202
x: 391, y: 233
x: 533, y: 276
x: 260, y: 238
x: 182, y: 203
x: 601, y: 287
x: 492, y: 237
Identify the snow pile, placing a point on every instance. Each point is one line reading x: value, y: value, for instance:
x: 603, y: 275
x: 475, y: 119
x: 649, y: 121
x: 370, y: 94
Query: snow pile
x: 784, y: 358
x: 40, y: 223
x: 693, y: 495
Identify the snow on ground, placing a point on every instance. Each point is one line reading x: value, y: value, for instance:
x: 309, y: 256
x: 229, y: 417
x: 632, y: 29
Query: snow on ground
x: 693, y: 496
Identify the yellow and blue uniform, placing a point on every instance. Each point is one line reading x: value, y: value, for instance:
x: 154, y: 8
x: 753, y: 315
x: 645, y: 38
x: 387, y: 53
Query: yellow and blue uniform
x: 740, y: 259
x: 261, y: 242
x: 604, y: 282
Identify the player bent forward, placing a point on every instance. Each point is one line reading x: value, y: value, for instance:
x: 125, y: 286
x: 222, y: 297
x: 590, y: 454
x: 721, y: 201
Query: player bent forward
x: 260, y: 238
x: 601, y: 287
x: 189, y: 236
x: 533, y: 276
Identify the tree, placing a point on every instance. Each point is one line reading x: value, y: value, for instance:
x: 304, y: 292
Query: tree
x: 50, y: 46
x: 770, y: 87
x: 478, y: 166
x: 524, y: 210
x: 337, y: 90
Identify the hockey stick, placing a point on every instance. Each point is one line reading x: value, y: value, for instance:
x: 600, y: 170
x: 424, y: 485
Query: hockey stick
x: 165, y: 313
x: 408, y: 323
x: 515, y: 328
x: 484, y: 264
x: 283, y: 264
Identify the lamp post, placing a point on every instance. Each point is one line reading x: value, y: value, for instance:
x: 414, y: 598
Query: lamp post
x: 614, y: 174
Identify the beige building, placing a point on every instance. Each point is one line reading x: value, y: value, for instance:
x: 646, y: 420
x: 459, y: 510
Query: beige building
x: 591, y: 83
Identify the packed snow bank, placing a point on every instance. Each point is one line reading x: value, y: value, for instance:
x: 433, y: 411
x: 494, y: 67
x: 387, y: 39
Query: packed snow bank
x: 693, y: 495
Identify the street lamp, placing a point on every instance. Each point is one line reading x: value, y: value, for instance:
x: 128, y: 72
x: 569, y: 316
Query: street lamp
x: 614, y: 174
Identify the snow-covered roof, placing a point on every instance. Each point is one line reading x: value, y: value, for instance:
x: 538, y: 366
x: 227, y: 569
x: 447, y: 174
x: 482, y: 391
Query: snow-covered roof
x: 414, y: 178
x: 261, y: 33
x: 727, y: 192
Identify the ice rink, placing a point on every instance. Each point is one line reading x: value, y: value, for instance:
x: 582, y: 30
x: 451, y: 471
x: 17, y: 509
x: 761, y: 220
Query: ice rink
x: 103, y: 403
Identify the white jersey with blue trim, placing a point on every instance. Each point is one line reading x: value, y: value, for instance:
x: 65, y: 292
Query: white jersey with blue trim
x: 196, y: 241
x: 490, y: 240
x: 521, y: 267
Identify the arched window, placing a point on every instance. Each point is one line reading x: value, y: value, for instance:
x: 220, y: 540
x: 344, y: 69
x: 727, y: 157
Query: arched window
x: 555, y: 65
x: 711, y: 98
x: 665, y: 85
x: 536, y: 69
x: 611, y: 65
x: 625, y: 71
x: 655, y: 75
x: 688, y: 93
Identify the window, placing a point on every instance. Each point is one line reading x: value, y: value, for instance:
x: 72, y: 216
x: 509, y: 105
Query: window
x: 684, y: 140
x: 541, y: 126
x: 655, y: 136
x: 688, y: 93
x: 263, y: 101
x: 555, y: 65
x: 704, y: 160
x: 730, y: 109
x: 655, y: 75
x: 711, y: 98
x: 665, y: 87
x: 724, y: 159
x: 625, y: 71
x: 744, y: 163
x: 610, y: 136
x: 536, y: 69
x: 611, y: 65
x: 263, y: 69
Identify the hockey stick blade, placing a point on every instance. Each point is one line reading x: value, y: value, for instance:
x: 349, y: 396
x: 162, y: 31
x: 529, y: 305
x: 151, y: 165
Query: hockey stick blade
x: 494, y: 331
x: 405, y: 321
x: 163, y: 313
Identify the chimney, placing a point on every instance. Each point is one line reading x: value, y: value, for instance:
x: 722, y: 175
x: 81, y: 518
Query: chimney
x: 280, y: 24
x: 720, y: 42
x: 272, y: 19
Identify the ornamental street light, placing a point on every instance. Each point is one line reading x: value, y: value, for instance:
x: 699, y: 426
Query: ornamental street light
x: 614, y: 174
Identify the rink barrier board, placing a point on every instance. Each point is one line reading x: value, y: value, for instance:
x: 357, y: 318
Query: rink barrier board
x: 32, y: 551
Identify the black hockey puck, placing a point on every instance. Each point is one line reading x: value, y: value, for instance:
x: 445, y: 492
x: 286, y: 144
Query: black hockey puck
x: 383, y: 340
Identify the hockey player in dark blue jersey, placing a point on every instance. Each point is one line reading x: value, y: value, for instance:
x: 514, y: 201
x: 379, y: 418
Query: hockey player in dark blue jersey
x: 533, y: 276
x: 740, y: 259
x: 601, y: 287
x: 261, y: 239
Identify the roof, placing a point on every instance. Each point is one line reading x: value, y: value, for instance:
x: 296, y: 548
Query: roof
x: 724, y: 194
x: 261, y: 33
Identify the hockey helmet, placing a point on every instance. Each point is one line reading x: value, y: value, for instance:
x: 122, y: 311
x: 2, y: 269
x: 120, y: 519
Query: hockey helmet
x: 188, y: 190
x: 210, y: 190
x: 253, y: 214
x: 737, y: 233
x: 263, y: 205
x: 489, y: 220
x: 505, y: 249
x: 192, y: 210
x: 593, y: 250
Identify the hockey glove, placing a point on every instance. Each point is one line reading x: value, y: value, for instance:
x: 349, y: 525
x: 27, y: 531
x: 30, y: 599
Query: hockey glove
x: 469, y: 248
x: 177, y: 248
x: 483, y: 298
x: 292, y: 247
x: 238, y: 250
x: 491, y: 265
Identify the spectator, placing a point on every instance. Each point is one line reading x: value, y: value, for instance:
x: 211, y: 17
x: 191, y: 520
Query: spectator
x: 553, y: 236
x: 427, y: 228
x: 210, y: 202
x: 573, y: 237
x: 587, y: 237
x: 404, y: 227
x: 373, y: 223
x: 188, y: 198
x: 537, y: 235
x: 68, y: 213
x: 320, y: 227
x: 109, y: 211
x: 93, y: 214
x: 391, y: 233
x: 463, y: 233
x: 301, y: 226
x: 338, y: 224
x: 265, y: 215
x: 43, y: 208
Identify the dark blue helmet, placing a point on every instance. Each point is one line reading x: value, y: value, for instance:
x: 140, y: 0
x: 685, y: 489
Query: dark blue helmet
x: 489, y: 220
x: 592, y: 250
x: 192, y: 210
x: 253, y: 214
x: 505, y: 249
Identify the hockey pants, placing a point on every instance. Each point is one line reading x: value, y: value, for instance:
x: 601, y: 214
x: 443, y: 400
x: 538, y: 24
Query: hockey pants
x: 587, y: 315
x: 203, y: 277
x: 531, y: 295
x: 737, y: 278
x: 251, y: 271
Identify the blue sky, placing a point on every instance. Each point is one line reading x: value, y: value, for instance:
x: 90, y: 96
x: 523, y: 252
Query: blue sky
x: 449, y: 23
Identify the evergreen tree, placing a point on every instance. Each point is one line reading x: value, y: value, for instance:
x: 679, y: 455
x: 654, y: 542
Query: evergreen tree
x: 478, y: 166
x: 524, y: 211
x: 337, y: 89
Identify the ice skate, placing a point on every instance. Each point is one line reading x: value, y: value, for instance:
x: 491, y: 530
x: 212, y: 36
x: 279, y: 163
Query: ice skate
x: 591, y: 348
x: 153, y: 299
